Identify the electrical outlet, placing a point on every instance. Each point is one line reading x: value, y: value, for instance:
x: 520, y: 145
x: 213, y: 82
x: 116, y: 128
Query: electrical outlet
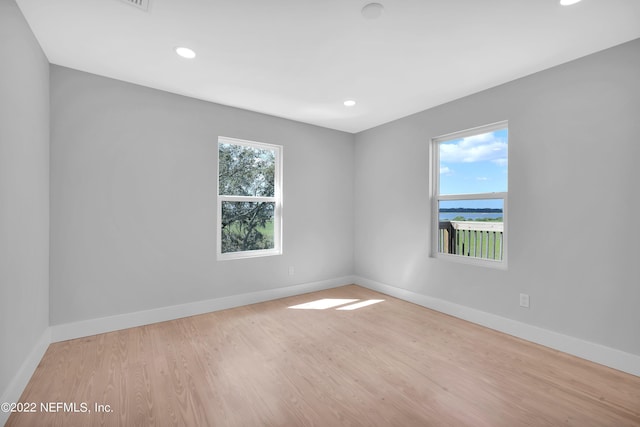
x: 524, y: 300
x: 292, y: 271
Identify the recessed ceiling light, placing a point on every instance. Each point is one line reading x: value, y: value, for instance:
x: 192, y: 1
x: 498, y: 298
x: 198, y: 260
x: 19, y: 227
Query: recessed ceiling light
x: 185, y: 52
x: 568, y: 2
x: 372, y: 11
x: 349, y: 103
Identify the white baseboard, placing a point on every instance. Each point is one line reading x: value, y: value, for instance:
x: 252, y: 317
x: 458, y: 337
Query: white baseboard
x: 13, y: 392
x: 101, y: 325
x: 616, y: 359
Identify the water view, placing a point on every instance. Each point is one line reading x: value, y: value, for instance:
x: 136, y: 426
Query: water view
x: 470, y: 216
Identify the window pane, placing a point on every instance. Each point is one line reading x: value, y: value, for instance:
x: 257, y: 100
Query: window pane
x: 247, y: 226
x: 246, y: 171
x: 475, y: 164
x: 472, y: 228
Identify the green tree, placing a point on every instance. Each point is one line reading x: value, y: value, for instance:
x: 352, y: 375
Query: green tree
x: 246, y: 171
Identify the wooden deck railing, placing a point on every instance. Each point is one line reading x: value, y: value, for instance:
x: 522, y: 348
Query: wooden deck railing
x: 478, y: 239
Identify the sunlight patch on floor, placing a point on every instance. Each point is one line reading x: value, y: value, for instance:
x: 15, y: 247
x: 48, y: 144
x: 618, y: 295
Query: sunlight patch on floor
x: 360, y: 304
x: 325, y: 303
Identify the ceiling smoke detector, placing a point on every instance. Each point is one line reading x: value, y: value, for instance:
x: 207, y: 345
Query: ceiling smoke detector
x: 140, y: 4
x: 372, y: 11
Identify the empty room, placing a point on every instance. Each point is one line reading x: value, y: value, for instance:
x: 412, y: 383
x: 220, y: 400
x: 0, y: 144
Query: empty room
x: 329, y: 213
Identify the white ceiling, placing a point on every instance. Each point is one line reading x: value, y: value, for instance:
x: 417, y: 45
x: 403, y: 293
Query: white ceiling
x: 300, y: 59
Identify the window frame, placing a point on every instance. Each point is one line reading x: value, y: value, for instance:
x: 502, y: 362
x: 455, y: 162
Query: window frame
x: 436, y: 198
x: 276, y: 199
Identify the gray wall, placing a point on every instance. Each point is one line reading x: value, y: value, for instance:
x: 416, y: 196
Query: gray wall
x: 24, y: 192
x: 573, y: 200
x: 133, y: 199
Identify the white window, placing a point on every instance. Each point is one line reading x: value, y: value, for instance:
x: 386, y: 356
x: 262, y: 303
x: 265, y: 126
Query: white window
x: 249, y: 199
x: 469, y: 195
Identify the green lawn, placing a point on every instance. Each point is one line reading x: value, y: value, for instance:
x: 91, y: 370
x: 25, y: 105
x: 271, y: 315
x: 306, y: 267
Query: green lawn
x: 267, y: 230
x: 237, y: 235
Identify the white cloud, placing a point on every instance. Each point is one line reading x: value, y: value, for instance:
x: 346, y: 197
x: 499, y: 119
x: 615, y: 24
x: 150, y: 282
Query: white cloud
x: 483, y: 137
x: 477, y: 148
x: 482, y: 178
x: 445, y: 170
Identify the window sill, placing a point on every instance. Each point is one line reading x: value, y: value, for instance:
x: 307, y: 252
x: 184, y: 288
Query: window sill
x: 478, y: 262
x: 248, y: 254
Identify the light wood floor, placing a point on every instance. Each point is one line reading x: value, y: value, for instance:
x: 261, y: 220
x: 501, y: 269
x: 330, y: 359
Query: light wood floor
x: 389, y: 364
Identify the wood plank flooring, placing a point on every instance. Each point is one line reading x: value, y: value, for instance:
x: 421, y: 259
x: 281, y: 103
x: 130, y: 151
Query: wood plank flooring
x: 388, y: 364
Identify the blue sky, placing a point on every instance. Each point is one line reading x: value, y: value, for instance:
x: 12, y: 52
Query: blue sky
x: 475, y: 164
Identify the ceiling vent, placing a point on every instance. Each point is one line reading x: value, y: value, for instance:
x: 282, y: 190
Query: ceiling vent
x: 140, y: 4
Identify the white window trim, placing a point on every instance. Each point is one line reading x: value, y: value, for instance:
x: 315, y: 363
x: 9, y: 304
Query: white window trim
x: 277, y: 199
x: 435, y: 198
